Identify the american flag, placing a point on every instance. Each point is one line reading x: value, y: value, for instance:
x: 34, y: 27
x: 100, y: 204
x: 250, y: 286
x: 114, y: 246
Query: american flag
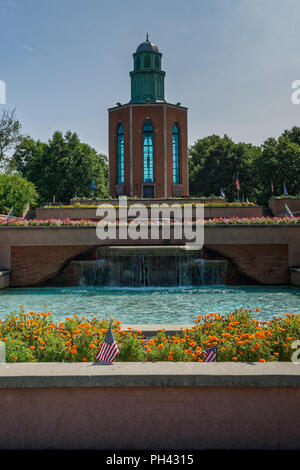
x: 210, y: 354
x: 237, y: 183
x: 109, y: 349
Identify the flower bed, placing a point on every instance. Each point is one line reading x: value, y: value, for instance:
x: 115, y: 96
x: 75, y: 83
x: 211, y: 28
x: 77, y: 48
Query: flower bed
x: 68, y: 222
x: 36, y: 337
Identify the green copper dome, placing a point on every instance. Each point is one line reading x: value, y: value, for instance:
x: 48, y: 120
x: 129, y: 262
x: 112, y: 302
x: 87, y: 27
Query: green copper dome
x: 147, y: 46
x: 147, y: 78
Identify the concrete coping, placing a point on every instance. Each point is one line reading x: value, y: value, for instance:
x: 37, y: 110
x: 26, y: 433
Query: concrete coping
x: 149, y: 374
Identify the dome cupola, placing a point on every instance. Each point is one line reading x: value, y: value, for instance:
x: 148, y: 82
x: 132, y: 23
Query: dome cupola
x: 147, y: 78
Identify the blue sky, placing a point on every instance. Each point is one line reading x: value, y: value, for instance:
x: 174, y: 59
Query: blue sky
x: 231, y: 62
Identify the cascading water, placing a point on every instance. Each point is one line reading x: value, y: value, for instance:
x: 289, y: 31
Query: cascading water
x: 149, y: 267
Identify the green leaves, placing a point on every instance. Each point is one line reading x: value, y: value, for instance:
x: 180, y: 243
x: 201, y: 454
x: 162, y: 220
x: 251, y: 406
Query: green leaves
x: 63, y: 167
x: 16, y: 192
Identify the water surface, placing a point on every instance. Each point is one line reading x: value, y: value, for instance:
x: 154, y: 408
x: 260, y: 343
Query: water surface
x: 151, y: 305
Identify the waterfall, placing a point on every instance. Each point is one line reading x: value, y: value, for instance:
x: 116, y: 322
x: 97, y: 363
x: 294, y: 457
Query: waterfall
x: 149, y: 267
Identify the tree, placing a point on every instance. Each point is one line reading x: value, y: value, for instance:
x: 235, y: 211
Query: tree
x: 62, y: 167
x: 9, y: 133
x: 16, y: 192
x: 215, y: 162
x: 279, y: 162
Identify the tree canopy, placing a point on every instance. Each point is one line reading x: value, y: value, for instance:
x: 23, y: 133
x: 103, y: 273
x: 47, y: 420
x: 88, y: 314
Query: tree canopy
x: 10, y: 129
x: 216, y: 161
x: 63, y: 167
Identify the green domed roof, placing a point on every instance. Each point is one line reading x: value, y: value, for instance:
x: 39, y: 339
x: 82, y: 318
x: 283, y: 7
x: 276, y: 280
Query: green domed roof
x: 147, y: 46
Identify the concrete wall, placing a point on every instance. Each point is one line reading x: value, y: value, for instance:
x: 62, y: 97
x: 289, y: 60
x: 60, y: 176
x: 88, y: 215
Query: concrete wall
x: 90, y: 213
x: 35, y: 254
x: 277, y: 206
x: 150, y: 406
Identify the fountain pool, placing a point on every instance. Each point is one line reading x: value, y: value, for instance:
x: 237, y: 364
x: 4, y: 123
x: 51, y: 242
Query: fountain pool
x: 151, y: 305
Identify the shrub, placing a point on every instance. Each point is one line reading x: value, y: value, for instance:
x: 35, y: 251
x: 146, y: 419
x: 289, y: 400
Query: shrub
x: 16, y: 192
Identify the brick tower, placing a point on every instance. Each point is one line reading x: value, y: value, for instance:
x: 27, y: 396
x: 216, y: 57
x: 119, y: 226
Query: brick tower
x: 148, y: 154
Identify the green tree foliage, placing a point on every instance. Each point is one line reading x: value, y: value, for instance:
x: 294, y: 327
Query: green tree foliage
x: 16, y: 192
x: 10, y: 129
x: 62, y: 167
x: 215, y: 162
x: 279, y: 162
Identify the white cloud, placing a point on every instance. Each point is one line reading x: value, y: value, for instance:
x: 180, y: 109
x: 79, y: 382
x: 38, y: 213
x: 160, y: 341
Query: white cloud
x: 26, y: 47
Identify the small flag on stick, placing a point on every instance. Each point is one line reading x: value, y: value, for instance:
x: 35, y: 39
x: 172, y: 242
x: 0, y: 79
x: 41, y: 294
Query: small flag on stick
x: 210, y: 354
x: 222, y: 193
x: 272, y: 187
x: 287, y: 211
x: 93, y: 185
x: 237, y: 183
x: 10, y: 214
x: 285, y: 191
x: 109, y: 349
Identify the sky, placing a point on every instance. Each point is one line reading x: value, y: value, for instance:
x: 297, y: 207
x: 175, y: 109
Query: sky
x: 231, y: 62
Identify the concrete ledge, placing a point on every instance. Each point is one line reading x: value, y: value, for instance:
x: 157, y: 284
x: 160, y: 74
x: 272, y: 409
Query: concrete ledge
x: 148, y: 374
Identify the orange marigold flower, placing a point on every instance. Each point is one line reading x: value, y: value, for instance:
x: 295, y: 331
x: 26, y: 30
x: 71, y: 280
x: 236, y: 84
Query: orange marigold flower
x: 261, y: 360
x: 234, y: 358
x: 257, y: 345
x: 32, y: 348
x: 170, y: 358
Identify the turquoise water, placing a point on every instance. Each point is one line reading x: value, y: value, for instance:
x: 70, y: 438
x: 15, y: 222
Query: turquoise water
x: 162, y: 305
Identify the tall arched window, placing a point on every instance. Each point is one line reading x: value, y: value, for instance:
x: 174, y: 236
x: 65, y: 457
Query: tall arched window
x: 120, y: 153
x: 138, y: 63
x: 175, y: 145
x: 148, y: 152
x: 156, y: 62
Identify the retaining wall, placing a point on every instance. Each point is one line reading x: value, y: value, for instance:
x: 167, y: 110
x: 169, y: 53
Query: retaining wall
x: 36, y: 254
x: 277, y: 206
x: 150, y: 406
x: 90, y: 213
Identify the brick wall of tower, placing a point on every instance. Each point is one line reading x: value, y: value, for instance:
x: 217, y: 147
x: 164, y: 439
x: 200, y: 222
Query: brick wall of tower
x: 140, y: 113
